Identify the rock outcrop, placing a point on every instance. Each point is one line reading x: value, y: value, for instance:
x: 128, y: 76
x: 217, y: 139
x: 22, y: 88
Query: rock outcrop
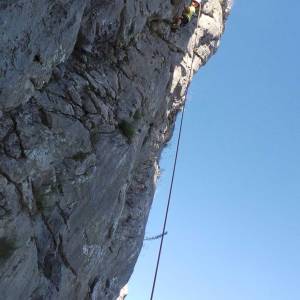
x: 123, y: 293
x: 89, y: 92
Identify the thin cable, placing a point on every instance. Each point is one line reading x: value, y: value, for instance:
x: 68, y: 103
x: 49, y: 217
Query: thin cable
x: 168, y: 206
x: 172, y: 181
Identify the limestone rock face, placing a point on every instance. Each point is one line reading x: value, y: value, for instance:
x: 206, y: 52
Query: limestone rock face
x: 123, y: 293
x: 89, y: 91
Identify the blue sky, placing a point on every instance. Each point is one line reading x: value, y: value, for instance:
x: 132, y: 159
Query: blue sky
x: 234, y: 225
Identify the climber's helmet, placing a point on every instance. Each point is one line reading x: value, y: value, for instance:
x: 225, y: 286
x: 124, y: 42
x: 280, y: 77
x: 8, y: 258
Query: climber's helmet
x: 196, y: 3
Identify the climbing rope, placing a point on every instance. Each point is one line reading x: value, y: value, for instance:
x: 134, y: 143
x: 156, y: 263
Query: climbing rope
x: 173, y: 173
x: 156, y: 237
x: 168, y: 205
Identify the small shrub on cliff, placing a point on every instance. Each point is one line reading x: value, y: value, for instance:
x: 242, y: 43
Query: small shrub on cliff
x: 40, y: 205
x: 4, y: 210
x: 44, y: 204
x: 137, y: 115
x: 127, y: 129
x: 7, y: 248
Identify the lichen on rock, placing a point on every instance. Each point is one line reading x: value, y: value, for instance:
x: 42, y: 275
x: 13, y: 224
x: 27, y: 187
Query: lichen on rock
x: 89, y: 92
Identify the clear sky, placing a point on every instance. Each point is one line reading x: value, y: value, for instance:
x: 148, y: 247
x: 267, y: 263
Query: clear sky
x: 234, y: 225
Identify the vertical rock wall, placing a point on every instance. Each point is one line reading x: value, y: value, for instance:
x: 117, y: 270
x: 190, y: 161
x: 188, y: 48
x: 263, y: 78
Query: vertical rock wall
x: 89, y: 91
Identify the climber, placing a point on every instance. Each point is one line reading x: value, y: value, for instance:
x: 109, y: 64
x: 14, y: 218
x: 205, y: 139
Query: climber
x: 187, y: 14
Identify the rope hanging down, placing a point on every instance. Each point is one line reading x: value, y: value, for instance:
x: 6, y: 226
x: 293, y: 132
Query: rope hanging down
x: 168, y: 205
x: 173, y: 173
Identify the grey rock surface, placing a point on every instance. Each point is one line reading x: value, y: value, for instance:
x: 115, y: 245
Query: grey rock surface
x: 89, y: 92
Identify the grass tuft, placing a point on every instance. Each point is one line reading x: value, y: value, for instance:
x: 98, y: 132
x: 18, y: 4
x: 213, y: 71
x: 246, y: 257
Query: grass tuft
x: 7, y: 248
x: 127, y: 129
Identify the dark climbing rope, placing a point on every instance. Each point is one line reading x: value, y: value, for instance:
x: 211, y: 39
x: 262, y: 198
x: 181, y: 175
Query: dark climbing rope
x: 156, y: 237
x: 173, y: 175
x: 168, y: 205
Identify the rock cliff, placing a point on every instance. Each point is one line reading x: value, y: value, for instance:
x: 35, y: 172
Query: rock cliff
x: 89, y: 91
